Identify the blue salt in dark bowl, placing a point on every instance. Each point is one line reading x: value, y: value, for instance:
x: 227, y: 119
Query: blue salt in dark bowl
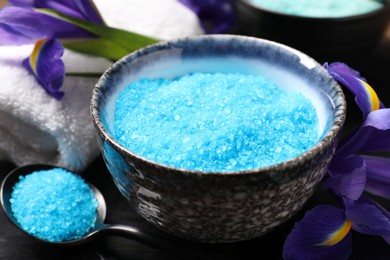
x: 325, y: 39
x: 218, y: 207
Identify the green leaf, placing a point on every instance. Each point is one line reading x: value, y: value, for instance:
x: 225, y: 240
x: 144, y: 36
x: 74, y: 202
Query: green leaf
x: 96, y: 47
x: 84, y: 74
x: 118, y: 40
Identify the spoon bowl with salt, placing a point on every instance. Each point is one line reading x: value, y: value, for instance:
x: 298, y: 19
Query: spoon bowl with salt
x: 165, y: 243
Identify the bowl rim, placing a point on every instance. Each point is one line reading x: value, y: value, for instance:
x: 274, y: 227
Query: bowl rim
x: 349, y: 18
x: 329, y: 136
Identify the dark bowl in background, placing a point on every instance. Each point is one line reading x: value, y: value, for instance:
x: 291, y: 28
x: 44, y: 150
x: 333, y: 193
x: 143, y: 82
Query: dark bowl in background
x: 324, y: 39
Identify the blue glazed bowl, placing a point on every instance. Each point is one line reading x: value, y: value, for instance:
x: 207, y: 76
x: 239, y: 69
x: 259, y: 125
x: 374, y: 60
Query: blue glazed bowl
x: 211, y: 206
x: 325, y: 39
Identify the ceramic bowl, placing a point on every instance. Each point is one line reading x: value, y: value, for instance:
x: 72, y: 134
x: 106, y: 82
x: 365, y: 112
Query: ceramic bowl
x: 325, y: 39
x: 218, y: 207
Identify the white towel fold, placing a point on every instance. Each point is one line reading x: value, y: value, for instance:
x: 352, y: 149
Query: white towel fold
x: 36, y: 128
x: 164, y: 19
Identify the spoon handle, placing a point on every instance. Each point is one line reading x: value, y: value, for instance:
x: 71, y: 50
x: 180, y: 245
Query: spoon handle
x: 165, y: 243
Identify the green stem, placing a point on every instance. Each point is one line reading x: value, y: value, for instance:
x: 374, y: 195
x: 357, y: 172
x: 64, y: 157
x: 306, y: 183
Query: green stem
x: 84, y: 74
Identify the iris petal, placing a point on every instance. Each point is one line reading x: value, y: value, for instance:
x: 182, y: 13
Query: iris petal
x: 89, y: 10
x: 216, y: 16
x: 8, y: 36
x: 387, y: 239
x: 368, y: 217
x: 378, y: 176
x: 46, y: 65
x: 365, y: 96
x: 18, y: 20
x: 346, y: 176
x: 22, y: 3
x: 323, y: 233
x: 372, y: 136
x: 83, y: 9
x: 192, y: 5
x: 65, y: 7
x: 36, y: 25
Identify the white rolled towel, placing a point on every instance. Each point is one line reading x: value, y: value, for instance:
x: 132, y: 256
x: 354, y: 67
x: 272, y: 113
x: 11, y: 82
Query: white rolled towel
x: 164, y: 19
x: 35, y: 127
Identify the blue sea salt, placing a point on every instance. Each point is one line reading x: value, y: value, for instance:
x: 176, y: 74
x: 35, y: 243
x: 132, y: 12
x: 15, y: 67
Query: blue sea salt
x: 320, y: 8
x: 54, y: 205
x: 214, y: 122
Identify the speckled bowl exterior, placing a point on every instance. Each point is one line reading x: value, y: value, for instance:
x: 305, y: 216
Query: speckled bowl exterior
x: 208, y: 206
x: 325, y: 39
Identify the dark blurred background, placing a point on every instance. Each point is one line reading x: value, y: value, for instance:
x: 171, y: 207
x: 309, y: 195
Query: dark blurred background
x: 374, y: 65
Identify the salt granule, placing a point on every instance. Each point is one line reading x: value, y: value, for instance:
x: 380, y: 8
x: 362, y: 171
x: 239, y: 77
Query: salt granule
x: 54, y: 205
x: 214, y: 122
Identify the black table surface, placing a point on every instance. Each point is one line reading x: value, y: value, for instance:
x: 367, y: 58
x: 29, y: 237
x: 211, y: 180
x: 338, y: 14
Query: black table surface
x: 373, y: 65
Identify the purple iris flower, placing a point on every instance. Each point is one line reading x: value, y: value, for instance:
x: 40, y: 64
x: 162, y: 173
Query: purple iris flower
x: 216, y: 16
x: 24, y: 22
x: 81, y: 9
x: 46, y: 53
x: 325, y: 231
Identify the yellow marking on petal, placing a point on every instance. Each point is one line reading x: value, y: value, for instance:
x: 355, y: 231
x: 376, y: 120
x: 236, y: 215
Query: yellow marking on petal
x: 338, y: 235
x: 374, y: 100
x: 35, y: 54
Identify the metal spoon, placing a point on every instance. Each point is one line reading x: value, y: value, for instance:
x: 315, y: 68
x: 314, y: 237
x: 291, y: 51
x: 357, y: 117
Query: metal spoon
x: 168, y: 244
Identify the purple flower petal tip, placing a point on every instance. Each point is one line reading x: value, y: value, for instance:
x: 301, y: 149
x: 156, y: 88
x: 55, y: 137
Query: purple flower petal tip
x: 365, y: 96
x: 378, y: 176
x: 368, y: 217
x: 323, y: 233
x: 83, y: 9
x: 216, y: 16
x: 346, y: 176
x: 46, y: 65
